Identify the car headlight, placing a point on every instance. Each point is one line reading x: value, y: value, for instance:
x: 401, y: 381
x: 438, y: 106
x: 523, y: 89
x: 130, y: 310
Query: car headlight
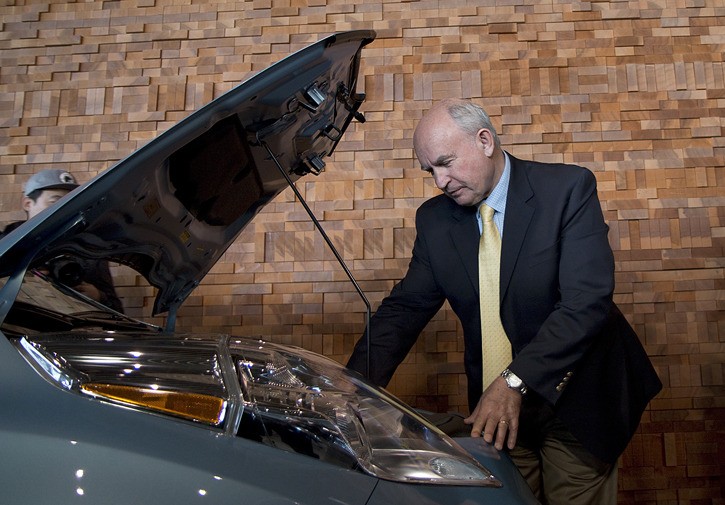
x: 301, y: 401
x: 280, y: 396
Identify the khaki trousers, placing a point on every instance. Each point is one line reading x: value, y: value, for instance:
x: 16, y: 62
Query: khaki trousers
x: 558, y: 469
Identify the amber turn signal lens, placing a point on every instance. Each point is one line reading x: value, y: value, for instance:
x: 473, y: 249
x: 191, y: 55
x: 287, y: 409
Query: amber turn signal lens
x: 193, y: 406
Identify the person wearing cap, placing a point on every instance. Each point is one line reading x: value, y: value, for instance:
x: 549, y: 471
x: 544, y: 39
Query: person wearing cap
x: 43, y: 190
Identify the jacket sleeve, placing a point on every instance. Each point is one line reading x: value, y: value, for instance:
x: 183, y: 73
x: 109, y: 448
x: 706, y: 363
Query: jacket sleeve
x: 100, y: 277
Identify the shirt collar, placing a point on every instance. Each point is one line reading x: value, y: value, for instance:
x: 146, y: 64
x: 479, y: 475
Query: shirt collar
x: 497, y: 198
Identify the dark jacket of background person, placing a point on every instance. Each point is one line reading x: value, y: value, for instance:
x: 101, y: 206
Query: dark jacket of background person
x: 97, y: 273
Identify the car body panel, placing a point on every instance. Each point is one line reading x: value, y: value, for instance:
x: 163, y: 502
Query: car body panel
x: 84, y: 449
x: 132, y: 457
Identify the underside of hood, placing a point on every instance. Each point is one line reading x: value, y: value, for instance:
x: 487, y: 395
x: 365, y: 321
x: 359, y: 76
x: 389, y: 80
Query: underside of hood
x: 172, y: 208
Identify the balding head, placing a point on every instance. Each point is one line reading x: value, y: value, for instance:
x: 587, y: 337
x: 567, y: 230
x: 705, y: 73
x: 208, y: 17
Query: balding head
x: 456, y: 143
x: 468, y: 116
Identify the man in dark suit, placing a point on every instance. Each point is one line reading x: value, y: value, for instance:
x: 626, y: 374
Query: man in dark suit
x: 576, y: 379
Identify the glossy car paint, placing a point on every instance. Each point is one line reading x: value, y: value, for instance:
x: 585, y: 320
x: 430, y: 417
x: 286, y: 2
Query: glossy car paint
x: 62, y: 448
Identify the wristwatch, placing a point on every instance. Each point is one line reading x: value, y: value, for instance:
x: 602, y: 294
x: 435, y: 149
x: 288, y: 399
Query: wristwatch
x: 513, y: 381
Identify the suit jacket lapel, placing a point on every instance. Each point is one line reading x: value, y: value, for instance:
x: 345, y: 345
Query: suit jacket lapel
x: 516, y: 221
x: 465, y: 236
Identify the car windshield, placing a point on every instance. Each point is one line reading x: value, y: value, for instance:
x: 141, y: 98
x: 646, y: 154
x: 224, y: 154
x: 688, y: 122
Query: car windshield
x: 37, y: 289
x: 43, y: 305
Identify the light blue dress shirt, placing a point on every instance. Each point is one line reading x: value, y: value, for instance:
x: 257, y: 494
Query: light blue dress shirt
x: 497, y: 199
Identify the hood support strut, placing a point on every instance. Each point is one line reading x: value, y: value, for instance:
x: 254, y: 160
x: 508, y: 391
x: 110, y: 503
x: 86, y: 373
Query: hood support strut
x: 330, y: 245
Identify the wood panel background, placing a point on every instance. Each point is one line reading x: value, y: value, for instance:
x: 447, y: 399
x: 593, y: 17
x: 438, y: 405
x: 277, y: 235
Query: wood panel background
x: 632, y: 89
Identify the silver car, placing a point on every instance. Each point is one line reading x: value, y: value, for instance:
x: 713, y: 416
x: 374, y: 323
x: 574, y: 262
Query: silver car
x: 98, y: 407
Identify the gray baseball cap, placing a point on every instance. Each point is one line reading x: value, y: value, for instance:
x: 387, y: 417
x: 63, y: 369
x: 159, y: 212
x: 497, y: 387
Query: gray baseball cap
x: 50, y: 179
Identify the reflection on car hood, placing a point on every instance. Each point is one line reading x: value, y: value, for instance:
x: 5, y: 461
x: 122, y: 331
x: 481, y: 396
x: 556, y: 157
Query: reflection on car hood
x: 173, y: 207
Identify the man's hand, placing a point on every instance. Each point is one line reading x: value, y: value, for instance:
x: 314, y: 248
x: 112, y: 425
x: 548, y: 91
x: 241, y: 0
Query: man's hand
x: 497, y: 415
x: 89, y: 290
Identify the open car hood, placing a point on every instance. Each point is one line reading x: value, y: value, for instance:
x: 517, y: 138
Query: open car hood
x: 172, y: 208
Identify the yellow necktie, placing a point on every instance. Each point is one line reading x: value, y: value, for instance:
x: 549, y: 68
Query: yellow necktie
x: 495, y: 345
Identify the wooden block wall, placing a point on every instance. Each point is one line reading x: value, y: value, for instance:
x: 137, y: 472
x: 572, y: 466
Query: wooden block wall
x: 632, y: 89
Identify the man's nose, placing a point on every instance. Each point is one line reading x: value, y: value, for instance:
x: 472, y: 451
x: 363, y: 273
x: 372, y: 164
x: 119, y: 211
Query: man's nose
x: 441, y: 179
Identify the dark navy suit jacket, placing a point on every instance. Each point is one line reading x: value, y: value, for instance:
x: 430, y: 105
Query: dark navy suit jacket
x: 571, y: 345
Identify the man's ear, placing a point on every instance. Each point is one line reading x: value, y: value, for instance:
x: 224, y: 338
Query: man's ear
x: 485, y: 137
x: 27, y: 203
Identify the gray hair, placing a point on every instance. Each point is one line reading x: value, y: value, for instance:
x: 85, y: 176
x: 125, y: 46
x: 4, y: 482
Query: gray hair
x: 470, y: 117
